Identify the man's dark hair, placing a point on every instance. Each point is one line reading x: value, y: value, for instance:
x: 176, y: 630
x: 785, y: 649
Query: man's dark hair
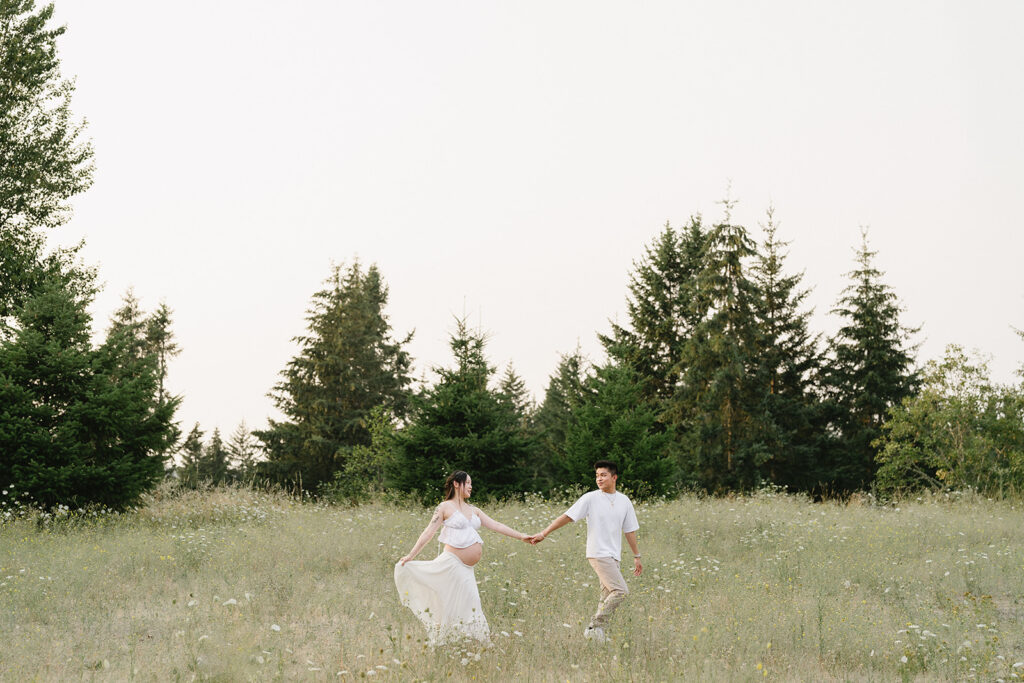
x: 608, y: 465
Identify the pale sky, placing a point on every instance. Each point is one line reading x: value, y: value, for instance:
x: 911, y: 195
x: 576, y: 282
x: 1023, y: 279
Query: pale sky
x: 510, y: 160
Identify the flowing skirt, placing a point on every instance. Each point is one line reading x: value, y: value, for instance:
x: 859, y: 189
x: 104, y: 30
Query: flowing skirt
x: 442, y: 592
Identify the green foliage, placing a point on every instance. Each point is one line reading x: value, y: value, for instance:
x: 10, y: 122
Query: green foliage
x: 459, y: 423
x: 363, y: 475
x: 614, y: 422
x: 243, y: 450
x: 789, y: 365
x: 347, y: 364
x: 191, y: 454
x: 43, y: 160
x: 871, y: 371
x: 960, y: 431
x: 80, y: 425
x: 555, y: 417
x: 719, y: 400
x: 664, y: 306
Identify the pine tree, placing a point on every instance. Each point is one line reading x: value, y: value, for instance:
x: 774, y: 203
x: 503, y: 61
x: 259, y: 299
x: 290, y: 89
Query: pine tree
x: 460, y: 423
x: 79, y: 424
x: 191, y: 452
x: 614, y: 422
x: 664, y: 307
x: 43, y: 159
x: 512, y: 389
x: 148, y: 336
x: 719, y: 402
x: 870, y: 372
x: 347, y: 364
x: 214, y: 465
x: 790, y: 364
x: 554, y: 418
x: 243, y: 450
x: 160, y: 340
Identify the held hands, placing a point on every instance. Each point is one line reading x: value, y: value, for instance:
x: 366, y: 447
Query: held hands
x: 534, y: 539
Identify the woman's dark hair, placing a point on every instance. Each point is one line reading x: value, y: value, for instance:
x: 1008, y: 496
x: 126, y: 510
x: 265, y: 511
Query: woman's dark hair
x: 608, y: 465
x: 449, y: 483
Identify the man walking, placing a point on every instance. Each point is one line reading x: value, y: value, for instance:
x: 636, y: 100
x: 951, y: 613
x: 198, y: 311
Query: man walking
x: 609, y: 515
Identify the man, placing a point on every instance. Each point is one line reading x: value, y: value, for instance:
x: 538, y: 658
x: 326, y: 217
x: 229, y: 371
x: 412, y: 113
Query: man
x: 609, y: 515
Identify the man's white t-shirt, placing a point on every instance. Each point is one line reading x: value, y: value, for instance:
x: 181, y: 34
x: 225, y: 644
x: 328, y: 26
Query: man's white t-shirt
x: 608, y: 515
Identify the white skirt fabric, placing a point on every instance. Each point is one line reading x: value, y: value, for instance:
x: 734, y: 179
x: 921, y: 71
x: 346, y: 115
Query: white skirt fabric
x: 442, y: 592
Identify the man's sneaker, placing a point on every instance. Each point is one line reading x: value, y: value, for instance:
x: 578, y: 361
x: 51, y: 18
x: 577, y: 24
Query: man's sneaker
x: 595, y: 633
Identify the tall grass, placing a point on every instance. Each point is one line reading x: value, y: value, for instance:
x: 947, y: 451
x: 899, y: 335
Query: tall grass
x: 232, y: 584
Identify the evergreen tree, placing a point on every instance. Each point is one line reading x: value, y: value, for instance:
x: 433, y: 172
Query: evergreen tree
x: 214, y: 466
x: 664, y: 307
x: 191, y: 452
x: 364, y: 473
x: 460, y: 423
x: 347, y: 364
x: 512, y: 389
x: 79, y: 424
x: 160, y: 340
x: 243, y: 450
x: 43, y: 159
x: 148, y: 336
x: 719, y: 401
x: 870, y: 372
x: 614, y: 422
x: 555, y: 417
x: 790, y: 364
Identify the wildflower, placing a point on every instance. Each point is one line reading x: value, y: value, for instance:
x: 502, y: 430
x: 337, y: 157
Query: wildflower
x: 230, y: 601
x: 903, y: 659
x: 275, y: 627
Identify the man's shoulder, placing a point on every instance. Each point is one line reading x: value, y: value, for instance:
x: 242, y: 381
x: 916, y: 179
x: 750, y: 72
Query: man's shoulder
x: 586, y: 496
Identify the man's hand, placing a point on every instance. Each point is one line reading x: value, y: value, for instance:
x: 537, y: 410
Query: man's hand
x: 638, y: 568
x: 537, y: 538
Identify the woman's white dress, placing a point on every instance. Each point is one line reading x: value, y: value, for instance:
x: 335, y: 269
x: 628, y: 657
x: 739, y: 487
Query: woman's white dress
x: 442, y: 592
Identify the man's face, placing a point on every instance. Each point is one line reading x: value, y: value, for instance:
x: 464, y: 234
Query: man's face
x: 605, y: 479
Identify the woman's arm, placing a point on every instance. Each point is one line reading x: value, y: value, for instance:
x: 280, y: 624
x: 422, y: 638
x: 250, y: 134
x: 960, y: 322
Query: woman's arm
x: 435, y: 523
x: 499, y: 527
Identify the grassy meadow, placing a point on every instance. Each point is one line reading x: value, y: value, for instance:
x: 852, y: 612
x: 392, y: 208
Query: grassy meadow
x: 233, y: 584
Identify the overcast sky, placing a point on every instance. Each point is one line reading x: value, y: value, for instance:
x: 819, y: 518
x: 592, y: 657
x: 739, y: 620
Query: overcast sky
x: 510, y: 160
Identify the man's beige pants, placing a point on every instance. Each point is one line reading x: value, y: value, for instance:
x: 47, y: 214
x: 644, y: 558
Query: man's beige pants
x: 613, y: 588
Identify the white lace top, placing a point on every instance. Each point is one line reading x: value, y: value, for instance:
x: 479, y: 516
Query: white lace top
x: 459, y: 532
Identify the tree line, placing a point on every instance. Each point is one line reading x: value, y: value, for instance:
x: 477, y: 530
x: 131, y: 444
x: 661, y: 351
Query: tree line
x: 715, y: 381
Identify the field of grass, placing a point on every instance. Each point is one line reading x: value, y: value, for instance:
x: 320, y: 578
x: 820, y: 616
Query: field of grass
x: 239, y: 585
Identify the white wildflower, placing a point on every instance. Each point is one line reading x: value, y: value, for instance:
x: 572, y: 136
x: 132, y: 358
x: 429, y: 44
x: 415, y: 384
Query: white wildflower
x: 275, y: 627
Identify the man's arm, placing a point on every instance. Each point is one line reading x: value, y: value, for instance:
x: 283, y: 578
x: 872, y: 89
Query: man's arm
x: 638, y: 568
x: 557, y: 524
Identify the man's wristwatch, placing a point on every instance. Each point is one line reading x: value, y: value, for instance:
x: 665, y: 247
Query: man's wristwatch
x: 636, y: 557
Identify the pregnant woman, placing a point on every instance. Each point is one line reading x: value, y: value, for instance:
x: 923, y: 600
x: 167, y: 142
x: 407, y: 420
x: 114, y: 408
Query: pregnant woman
x: 442, y: 592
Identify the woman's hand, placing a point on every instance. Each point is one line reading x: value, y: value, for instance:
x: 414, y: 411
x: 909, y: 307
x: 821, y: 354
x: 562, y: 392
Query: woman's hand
x: 405, y: 559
